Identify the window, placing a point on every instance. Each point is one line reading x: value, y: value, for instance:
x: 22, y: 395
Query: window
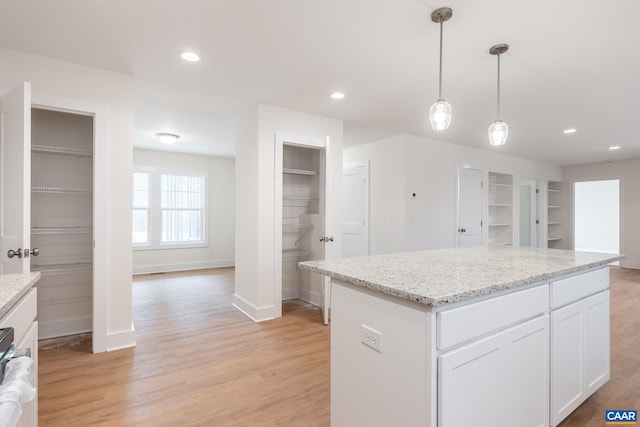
x: 182, y: 210
x: 140, y: 232
x: 168, y: 209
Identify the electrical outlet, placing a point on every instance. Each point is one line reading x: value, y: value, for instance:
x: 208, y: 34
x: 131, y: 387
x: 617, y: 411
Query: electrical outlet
x: 371, y: 338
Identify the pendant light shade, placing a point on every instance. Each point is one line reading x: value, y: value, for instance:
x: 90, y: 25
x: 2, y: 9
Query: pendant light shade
x: 498, y: 130
x: 440, y: 112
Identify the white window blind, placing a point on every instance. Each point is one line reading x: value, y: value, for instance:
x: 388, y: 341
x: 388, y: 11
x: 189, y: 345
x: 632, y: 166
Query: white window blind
x: 140, y: 232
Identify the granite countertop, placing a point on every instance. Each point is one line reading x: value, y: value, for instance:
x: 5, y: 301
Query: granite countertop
x: 13, y: 287
x: 437, y: 277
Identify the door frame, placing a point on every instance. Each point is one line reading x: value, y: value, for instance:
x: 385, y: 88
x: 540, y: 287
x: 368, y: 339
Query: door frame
x: 282, y: 139
x: 101, y: 205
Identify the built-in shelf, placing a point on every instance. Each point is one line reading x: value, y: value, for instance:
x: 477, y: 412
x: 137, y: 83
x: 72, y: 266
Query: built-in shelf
x: 553, y: 190
x: 295, y: 228
x: 61, y: 190
x: 500, y: 205
x: 553, y: 207
x: 59, y: 269
x: 503, y: 224
x: 500, y: 208
x: 296, y: 253
x: 61, y: 230
x: 554, y: 222
x: 495, y: 184
x: 299, y: 172
x: 554, y: 238
x: 65, y: 151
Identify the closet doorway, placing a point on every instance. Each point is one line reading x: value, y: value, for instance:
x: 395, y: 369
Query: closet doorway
x: 596, y: 216
x: 302, y: 224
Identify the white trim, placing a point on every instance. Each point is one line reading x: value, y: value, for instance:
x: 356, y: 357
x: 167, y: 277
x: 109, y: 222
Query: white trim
x: 122, y: 339
x: 254, y: 313
x: 101, y: 204
x: 182, y: 266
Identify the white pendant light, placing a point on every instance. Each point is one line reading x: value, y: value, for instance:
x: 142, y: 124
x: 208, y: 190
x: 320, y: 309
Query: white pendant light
x: 498, y: 130
x: 440, y: 111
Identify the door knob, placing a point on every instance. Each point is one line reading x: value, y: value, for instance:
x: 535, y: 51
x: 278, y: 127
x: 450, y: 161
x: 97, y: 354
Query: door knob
x: 326, y: 239
x: 35, y: 251
x: 11, y: 253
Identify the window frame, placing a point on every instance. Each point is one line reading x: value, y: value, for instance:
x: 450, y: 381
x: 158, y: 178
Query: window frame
x: 156, y: 210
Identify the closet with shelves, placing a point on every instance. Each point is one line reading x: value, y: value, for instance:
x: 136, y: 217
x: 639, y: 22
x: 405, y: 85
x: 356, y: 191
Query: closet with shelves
x: 62, y: 220
x: 500, y: 207
x: 554, y: 214
x: 301, y: 218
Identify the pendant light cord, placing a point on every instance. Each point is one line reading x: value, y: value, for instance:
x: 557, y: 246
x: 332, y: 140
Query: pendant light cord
x: 440, y: 76
x: 498, y: 86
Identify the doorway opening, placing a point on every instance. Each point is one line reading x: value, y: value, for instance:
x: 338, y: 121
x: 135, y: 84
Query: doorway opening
x: 597, y: 216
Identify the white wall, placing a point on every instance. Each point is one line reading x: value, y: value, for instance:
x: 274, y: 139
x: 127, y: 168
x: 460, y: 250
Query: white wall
x: 63, y: 79
x: 255, y: 199
x: 221, y: 208
x: 628, y: 172
x: 407, y: 164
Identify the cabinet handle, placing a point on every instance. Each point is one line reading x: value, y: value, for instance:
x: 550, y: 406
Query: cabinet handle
x: 11, y: 253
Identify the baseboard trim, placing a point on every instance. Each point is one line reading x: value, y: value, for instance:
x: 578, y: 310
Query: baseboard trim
x: 257, y: 314
x: 630, y: 264
x: 182, y: 266
x: 120, y: 340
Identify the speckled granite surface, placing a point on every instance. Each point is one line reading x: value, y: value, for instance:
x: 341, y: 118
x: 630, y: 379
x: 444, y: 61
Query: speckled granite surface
x: 13, y: 287
x: 438, y: 277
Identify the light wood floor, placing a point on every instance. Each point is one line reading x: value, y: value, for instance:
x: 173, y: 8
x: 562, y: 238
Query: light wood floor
x: 199, y: 362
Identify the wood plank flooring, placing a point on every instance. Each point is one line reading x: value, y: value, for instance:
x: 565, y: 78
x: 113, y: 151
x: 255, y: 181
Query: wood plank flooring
x: 199, y: 362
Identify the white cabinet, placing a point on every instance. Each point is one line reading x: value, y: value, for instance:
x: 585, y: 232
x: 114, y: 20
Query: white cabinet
x: 497, y: 381
x: 22, y: 318
x: 580, y: 343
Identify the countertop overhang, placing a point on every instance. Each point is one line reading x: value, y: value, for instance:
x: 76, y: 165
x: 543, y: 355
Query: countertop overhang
x: 13, y: 287
x: 444, y: 276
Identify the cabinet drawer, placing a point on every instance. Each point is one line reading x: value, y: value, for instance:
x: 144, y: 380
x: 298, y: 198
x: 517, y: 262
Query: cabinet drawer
x: 577, y: 287
x: 21, y: 315
x: 464, y: 323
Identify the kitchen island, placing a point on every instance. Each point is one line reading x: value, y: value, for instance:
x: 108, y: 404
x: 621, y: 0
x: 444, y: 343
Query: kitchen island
x: 486, y: 336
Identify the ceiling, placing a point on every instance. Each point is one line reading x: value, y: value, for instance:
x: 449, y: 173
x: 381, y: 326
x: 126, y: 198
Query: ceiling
x: 571, y: 64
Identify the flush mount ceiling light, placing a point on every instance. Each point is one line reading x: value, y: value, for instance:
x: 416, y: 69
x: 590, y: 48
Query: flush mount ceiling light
x: 440, y: 111
x: 567, y: 131
x: 614, y: 147
x: 190, y: 56
x: 337, y: 95
x: 498, y: 130
x: 167, y: 138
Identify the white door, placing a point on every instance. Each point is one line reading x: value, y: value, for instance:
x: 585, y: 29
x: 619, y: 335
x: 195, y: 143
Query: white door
x: 330, y: 245
x: 15, y: 170
x: 469, y: 227
x: 355, y: 211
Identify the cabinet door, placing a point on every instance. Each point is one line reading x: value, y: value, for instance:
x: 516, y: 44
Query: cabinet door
x: 567, y: 360
x: 468, y: 385
x: 29, y: 417
x: 524, y: 375
x: 596, y: 341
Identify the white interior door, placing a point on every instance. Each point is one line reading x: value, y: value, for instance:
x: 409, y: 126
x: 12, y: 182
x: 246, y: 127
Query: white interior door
x: 469, y: 227
x: 15, y: 188
x: 355, y: 211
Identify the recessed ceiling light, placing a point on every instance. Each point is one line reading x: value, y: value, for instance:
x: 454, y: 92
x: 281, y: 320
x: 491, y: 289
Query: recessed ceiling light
x: 337, y: 95
x: 569, y: 131
x: 167, y: 138
x: 614, y: 147
x: 190, y: 56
